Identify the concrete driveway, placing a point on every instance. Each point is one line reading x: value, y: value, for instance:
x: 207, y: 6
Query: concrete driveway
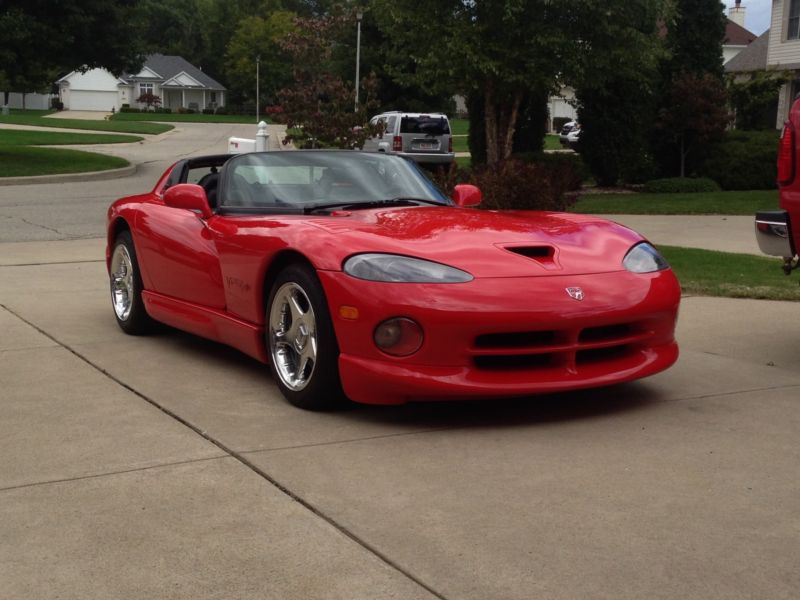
x: 170, y: 467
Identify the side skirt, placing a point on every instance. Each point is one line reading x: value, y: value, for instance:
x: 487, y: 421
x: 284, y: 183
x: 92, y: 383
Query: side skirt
x: 208, y: 323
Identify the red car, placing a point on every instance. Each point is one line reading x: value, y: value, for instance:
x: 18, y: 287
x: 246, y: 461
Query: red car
x: 350, y: 273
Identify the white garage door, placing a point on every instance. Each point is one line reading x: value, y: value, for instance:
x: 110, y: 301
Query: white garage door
x: 86, y: 100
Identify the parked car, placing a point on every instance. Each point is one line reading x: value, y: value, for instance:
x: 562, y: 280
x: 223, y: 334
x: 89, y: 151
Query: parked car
x: 350, y: 273
x: 424, y: 138
x: 778, y: 231
x: 570, y: 135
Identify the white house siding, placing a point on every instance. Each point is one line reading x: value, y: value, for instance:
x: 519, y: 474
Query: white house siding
x: 96, y: 89
x: 561, y: 106
x: 783, y: 54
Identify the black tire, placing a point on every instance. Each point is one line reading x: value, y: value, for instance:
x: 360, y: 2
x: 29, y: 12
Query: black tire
x: 301, y: 343
x: 126, y: 288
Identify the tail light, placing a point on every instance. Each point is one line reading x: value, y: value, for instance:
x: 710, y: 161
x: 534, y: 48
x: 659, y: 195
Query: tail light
x: 450, y: 144
x: 397, y: 143
x: 786, y: 155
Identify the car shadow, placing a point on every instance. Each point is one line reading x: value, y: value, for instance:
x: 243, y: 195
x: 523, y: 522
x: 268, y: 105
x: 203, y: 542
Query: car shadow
x: 581, y: 405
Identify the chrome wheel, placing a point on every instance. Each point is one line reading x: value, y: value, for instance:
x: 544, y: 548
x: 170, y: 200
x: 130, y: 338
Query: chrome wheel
x: 293, y: 336
x: 122, y: 290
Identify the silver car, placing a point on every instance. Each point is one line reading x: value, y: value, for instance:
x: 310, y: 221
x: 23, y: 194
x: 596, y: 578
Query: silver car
x: 422, y: 137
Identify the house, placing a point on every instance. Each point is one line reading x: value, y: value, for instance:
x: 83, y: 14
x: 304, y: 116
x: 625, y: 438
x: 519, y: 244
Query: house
x: 737, y: 37
x: 783, y: 51
x: 175, y: 80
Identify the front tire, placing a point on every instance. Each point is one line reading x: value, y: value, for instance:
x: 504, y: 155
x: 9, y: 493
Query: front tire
x: 126, y: 287
x: 301, y: 341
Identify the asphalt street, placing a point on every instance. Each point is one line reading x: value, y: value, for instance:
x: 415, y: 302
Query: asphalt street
x: 170, y: 467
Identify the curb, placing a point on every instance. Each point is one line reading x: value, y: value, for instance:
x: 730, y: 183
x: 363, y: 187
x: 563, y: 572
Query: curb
x: 70, y: 177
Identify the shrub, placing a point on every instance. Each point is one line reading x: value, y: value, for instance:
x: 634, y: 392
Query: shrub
x: 568, y: 167
x: 680, y: 185
x: 743, y: 160
x: 208, y: 111
x: 126, y: 108
x: 512, y: 184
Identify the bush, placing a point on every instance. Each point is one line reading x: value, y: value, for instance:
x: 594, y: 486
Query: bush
x: 208, y: 111
x: 743, y: 160
x: 126, y: 108
x: 512, y: 184
x: 680, y: 185
x: 569, y: 167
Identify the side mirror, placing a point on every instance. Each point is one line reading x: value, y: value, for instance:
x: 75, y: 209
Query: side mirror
x: 189, y: 196
x: 466, y: 195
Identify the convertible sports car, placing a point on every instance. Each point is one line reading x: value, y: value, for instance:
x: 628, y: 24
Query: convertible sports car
x: 350, y: 273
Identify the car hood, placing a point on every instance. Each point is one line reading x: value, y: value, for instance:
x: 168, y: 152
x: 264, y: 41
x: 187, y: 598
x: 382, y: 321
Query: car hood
x: 485, y: 243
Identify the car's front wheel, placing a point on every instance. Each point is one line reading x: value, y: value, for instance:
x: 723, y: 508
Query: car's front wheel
x: 301, y: 340
x: 126, y: 287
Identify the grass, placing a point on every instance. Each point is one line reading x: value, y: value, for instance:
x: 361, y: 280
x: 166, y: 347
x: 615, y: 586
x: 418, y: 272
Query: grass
x: 551, y: 142
x: 20, y: 137
x: 24, y: 161
x: 712, y: 273
x: 459, y: 126
x: 185, y: 118
x: 463, y: 161
x: 712, y: 203
x: 38, y: 118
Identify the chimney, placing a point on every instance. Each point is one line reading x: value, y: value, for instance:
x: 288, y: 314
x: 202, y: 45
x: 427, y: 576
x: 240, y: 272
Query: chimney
x: 736, y: 13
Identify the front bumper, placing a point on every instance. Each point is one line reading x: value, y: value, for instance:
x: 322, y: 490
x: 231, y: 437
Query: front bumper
x: 502, y: 337
x: 774, y: 233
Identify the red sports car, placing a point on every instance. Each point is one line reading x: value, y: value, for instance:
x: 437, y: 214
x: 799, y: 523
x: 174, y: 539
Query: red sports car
x: 351, y: 274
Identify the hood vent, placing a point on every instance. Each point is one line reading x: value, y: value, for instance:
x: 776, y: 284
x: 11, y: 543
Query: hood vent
x: 544, y: 255
x: 536, y: 252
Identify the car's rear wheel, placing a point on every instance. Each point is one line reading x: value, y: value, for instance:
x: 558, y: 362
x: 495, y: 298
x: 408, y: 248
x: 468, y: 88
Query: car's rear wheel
x: 126, y: 287
x: 301, y: 340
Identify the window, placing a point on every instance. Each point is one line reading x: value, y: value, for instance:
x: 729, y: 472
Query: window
x: 145, y: 88
x: 793, y: 31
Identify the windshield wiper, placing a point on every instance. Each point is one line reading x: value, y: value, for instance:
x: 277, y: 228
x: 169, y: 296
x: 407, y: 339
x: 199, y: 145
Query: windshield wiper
x: 399, y: 201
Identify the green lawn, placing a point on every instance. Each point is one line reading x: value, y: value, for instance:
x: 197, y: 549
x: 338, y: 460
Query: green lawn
x: 460, y: 143
x: 459, y: 126
x: 23, y: 161
x: 711, y: 273
x: 22, y: 137
x: 551, y: 142
x: 186, y: 118
x: 712, y: 203
x: 37, y: 118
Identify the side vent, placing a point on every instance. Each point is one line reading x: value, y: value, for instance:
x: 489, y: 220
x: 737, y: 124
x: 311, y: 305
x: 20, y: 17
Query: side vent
x: 537, y: 252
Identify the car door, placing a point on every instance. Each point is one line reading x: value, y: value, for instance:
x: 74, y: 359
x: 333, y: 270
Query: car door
x: 179, y: 255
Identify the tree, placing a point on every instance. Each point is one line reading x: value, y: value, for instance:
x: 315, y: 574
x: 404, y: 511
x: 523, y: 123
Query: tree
x: 39, y: 39
x: 150, y: 100
x: 500, y: 49
x: 695, y: 113
x: 694, y: 34
x: 616, y: 86
x: 318, y: 107
x: 258, y: 37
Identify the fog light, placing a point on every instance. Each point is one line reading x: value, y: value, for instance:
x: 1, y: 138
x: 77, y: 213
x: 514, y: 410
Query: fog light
x: 398, y: 336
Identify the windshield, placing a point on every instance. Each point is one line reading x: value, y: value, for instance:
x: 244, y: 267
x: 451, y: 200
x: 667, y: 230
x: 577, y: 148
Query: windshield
x: 302, y: 180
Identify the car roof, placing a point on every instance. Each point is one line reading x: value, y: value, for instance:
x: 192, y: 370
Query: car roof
x: 413, y: 114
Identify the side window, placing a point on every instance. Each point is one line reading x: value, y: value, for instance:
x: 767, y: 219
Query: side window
x: 390, y: 125
x: 793, y: 31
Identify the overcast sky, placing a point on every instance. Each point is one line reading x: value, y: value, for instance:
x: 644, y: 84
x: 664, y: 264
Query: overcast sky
x: 757, y: 14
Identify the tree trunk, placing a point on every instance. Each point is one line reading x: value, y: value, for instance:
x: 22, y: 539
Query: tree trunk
x: 501, y: 120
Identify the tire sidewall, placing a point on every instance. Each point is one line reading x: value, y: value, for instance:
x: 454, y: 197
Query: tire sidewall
x: 138, y: 321
x: 324, y: 389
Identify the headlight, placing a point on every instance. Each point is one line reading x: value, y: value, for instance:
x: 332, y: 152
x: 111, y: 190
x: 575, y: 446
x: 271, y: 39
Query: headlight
x: 643, y: 258
x: 402, y: 269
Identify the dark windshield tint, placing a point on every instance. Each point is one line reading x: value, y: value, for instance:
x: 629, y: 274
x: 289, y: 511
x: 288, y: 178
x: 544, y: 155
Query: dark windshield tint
x: 425, y: 125
x: 298, y: 179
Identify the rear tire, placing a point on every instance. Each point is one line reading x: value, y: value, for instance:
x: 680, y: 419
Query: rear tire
x: 304, y: 355
x: 126, y: 288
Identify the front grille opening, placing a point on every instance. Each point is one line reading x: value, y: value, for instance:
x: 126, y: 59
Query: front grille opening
x: 598, y: 355
x: 533, y: 251
x: 517, y: 339
x: 606, y: 333
x: 514, y: 362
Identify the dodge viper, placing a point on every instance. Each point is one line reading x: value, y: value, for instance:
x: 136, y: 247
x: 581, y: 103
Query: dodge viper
x: 352, y: 275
